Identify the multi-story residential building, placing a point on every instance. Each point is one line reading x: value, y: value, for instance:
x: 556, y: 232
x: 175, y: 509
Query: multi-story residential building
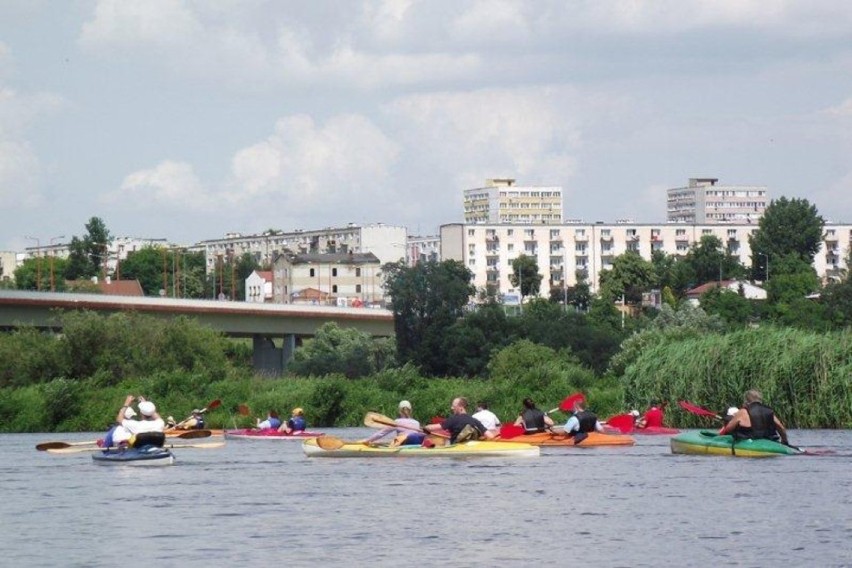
x: 703, y: 202
x: 339, y: 278
x: 423, y: 249
x: 259, y: 286
x: 563, y: 251
x: 501, y: 201
x: 389, y: 243
x: 8, y: 264
x: 115, y: 251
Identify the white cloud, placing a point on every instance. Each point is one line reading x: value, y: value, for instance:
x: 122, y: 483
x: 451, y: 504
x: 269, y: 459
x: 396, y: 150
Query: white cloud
x: 842, y: 110
x: 169, y: 185
x: 313, y: 167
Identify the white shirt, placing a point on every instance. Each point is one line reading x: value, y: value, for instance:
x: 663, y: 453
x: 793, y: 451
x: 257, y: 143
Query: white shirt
x: 120, y: 434
x: 488, y: 419
x: 140, y: 426
x: 573, y: 425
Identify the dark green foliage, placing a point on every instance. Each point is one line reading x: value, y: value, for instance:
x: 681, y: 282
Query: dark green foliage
x: 88, y: 255
x: 345, y: 351
x: 731, y: 306
x: 470, y: 342
x: 30, y: 356
x: 630, y: 276
x: 787, y: 227
x: 327, y: 401
x: 837, y: 299
x: 61, y: 401
x: 426, y: 300
x: 525, y: 275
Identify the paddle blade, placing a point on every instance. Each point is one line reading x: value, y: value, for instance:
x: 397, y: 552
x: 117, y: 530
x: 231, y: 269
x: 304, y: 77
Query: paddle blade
x: 330, y: 443
x: 509, y: 431
x: 376, y: 420
x: 567, y: 405
x: 697, y: 410
x: 193, y: 434
x: 622, y: 422
x: 243, y: 410
x: 437, y: 420
x: 213, y: 405
x: 52, y: 446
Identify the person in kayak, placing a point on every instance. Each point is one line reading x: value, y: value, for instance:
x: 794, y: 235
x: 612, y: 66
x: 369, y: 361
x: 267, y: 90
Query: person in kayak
x: 462, y: 426
x: 755, y: 420
x: 582, y: 422
x: 731, y: 412
x: 653, y: 417
x: 487, y: 419
x: 407, y: 435
x: 151, y: 421
x: 532, y: 419
x: 296, y: 422
x: 118, y: 434
x: 272, y: 421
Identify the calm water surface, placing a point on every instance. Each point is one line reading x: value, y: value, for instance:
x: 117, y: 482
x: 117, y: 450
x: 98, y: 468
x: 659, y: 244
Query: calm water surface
x: 264, y: 504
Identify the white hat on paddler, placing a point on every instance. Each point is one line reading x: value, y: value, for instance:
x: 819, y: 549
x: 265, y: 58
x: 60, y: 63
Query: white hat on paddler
x: 129, y: 413
x: 404, y: 404
x: 147, y: 408
x: 732, y: 410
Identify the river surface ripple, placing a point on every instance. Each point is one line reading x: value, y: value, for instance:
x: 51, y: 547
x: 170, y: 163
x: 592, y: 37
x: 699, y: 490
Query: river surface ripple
x: 265, y: 503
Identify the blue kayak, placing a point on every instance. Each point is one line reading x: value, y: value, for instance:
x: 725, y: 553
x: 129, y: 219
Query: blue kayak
x: 146, y: 455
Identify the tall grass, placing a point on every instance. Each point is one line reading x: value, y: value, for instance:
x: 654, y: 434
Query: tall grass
x: 806, y: 377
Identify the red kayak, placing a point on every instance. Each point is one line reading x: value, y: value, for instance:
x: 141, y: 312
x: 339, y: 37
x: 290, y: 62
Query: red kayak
x: 268, y: 434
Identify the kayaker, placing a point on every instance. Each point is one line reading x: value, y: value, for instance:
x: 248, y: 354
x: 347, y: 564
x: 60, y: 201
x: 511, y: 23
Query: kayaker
x: 487, y: 419
x: 118, y: 434
x: 272, y: 421
x: 151, y: 421
x: 296, y: 422
x: 582, y: 422
x: 407, y: 435
x: 755, y: 420
x: 653, y: 417
x: 462, y: 426
x: 532, y: 419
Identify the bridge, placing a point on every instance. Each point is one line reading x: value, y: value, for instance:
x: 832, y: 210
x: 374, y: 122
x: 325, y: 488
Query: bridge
x: 262, y: 322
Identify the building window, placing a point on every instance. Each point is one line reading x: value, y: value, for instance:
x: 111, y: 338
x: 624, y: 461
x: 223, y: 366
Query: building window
x: 357, y: 288
x: 312, y: 273
x: 334, y: 272
x: 334, y: 289
x: 357, y: 272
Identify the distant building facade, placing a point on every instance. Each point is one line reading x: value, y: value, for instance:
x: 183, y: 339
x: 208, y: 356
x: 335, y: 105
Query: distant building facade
x: 8, y: 265
x: 259, y: 286
x: 115, y: 251
x: 389, y: 243
x: 564, y: 251
x: 350, y: 279
x: 501, y: 201
x: 703, y: 201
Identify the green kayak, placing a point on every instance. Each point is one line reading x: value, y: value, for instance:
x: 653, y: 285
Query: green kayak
x: 709, y: 442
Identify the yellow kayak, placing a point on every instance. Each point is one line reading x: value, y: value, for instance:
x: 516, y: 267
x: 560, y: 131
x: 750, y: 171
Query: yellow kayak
x: 480, y: 448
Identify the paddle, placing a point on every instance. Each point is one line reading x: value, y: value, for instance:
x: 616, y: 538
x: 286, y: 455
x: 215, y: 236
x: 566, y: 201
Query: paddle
x: 698, y: 410
x: 188, y: 435
x: 243, y: 410
x: 207, y: 446
x: 376, y: 420
x: 509, y: 431
x: 623, y: 423
x: 329, y: 443
x: 567, y: 405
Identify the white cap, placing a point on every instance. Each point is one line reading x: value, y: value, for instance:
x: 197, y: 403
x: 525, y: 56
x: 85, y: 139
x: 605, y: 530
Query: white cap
x: 404, y: 404
x: 733, y: 410
x: 129, y: 413
x: 634, y: 413
x: 147, y: 408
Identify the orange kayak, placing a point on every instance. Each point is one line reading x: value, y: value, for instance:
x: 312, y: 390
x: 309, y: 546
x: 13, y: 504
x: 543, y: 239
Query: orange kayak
x: 176, y: 432
x: 593, y: 439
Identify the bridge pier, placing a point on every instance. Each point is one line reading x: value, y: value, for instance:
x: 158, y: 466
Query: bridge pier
x: 267, y: 359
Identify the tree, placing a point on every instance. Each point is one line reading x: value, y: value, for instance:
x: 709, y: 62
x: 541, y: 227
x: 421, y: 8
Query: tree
x: 788, y: 226
x: 426, y: 300
x: 34, y: 274
x: 837, y: 299
x: 88, y: 255
x: 337, y: 350
x: 630, y: 276
x: 148, y: 267
x: 731, y: 306
x: 709, y: 261
x: 525, y: 275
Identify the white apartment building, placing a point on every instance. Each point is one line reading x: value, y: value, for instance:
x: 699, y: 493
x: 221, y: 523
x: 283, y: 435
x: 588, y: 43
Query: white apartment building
x: 115, y: 251
x: 389, y: 243
x: 8, y: 264
x: 704, y: 202
x: 501, y: 201
x: 259, y: 287
x: 563, y: 250
x: 329, y: 278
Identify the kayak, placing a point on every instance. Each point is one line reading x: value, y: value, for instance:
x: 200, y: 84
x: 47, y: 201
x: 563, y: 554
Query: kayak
x: 146, y: 455
x: 654, y: 431
x: 177, y: 432
x: 267, y: 434
x: 479, y: 448
x: 709, y: 442
x: 548, y: 439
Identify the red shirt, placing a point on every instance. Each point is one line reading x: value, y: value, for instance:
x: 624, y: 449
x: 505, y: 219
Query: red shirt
x: 654, y: 417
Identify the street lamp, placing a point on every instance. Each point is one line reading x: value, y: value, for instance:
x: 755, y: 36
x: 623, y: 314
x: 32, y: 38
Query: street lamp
x: 52, y: 254
x: 38, y: 261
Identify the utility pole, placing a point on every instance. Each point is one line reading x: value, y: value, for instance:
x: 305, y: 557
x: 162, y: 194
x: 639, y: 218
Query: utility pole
x: 52, y: 254
x: 38, y: 261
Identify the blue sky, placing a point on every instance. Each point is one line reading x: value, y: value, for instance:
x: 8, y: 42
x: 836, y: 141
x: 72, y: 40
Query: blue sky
x: 188, y: 119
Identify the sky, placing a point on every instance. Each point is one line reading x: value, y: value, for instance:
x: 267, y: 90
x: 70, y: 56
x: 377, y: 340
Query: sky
x: 186, y: 120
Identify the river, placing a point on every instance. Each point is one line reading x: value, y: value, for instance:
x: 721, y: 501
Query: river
x: 266, y: 504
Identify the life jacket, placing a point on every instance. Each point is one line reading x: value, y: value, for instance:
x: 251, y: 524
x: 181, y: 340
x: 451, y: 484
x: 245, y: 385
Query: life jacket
x: 297, y: 423
x: 274, y: 423
x: 587, y: 420
x: 762, y: 423
x: 533, y: 420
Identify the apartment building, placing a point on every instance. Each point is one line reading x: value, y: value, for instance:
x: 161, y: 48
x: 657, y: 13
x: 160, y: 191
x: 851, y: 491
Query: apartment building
x: 501, y: 201
x: 8, y: 265
x: 389, y: 243
x: 562, y: 251
x: 703, y: 201
x: 115, y: 251
x: 349, y: 279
